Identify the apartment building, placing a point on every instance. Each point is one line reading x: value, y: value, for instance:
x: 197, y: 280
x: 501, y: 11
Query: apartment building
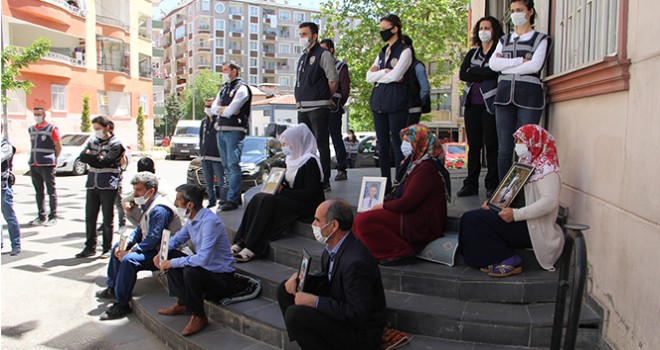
x: 260, y: 36
x: 98, y: 48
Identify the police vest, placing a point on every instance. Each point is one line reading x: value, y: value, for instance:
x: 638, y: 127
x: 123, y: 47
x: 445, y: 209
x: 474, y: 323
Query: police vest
x: 239, y: 121
x: 391, y: 97
x: 523, y: 90
x: 487, y: 88
x: 336, y: 98
x: 43, y: 147
x: 208, y: 142
x: 106, y: 178
x: 175, y: 224
x: 312, y: 88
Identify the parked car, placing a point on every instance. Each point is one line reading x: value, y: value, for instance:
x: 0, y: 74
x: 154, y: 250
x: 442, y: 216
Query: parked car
x: 185, y: 141
x: 455, y: 155
x: 72, y: 145
x: 158, y: 141
x: 259, y: 155
x: 365, y: 156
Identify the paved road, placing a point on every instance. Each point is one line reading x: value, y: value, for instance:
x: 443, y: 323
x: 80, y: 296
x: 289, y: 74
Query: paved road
x: 47, y: 294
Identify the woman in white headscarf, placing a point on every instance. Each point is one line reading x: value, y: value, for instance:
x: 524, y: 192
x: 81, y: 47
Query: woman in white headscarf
x: 268, y: 216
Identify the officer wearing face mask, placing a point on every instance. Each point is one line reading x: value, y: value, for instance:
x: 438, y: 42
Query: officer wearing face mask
x: 344, y: 306
x: 208, y: 151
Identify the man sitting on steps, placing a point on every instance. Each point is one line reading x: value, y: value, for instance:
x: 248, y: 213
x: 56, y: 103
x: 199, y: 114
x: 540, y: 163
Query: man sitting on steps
x: 209, y: 272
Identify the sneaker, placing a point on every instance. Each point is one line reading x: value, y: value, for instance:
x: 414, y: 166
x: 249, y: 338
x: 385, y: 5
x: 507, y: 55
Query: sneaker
x: 37, y: 222
x: 86, y: 253
x: 50, y: 222
x: 229, y: 206
x: 210, y: 205
x: 121, y: 229
x: 326, y: 187
x: 105, y: 254
x: 342, y: 175
x: 108, y: 293
x: 115, y: 311
x: 15, y: 251
x: 467, y: 191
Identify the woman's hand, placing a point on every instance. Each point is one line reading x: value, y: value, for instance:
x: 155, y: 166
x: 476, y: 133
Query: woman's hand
x: 377, y: 206
x: 374, y: 69
x: 507, y: 215
x: 485, y: 206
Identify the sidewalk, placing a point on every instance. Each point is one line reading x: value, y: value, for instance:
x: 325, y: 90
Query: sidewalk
x: 21, y: 159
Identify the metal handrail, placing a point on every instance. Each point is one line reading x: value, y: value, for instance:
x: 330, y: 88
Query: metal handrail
x: 575, y: 242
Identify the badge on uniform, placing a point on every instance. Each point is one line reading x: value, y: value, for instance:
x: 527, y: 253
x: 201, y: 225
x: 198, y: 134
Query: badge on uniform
x: 231, y: 93
x: 312, y: 60
x: 43, y: 137
x: 394, y: 62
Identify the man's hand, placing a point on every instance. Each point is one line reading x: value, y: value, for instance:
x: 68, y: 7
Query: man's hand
x: 166, y: 265
x: 291, y: 284
x: 120, y: 254
x: 374, y: 69
x: 306, y: 299
x: 127, y: 207
x: 157, y: 261
x: 377, y: 206
x: 507, y: 215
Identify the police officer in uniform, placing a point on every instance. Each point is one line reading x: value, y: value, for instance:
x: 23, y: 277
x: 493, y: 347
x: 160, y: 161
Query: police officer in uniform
x: 339, y: 99
x: 103, y: 154
x: 233, y: 110
x: 316, y: 83
x: 208, y: 150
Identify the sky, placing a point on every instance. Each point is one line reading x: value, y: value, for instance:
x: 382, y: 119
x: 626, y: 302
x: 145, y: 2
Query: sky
x: 168, y: 4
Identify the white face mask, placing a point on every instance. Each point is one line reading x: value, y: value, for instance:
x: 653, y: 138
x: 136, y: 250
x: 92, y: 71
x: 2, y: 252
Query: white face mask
x: 226, y: 78
x: 521, y: 150
x: 304, y: 42
x: 183, y: 213
x: 485, y: 36
x: 406, y: 148
x: 518, y: 18
x: 38, y: 120
x: 318, y: 235
x: 286, y: 150
x: 208, y: 111
x: 99, y: 133
x: 142, y: 200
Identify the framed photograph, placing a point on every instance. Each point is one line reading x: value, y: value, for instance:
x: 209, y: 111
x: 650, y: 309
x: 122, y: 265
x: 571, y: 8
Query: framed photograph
x: 303, y: 270
x: 509, y: 187
x: 372, y: 193
x: 164, y: 245
x: 274, y: 180
x: 123, y: 242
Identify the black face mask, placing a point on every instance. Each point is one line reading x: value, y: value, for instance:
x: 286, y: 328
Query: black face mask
x: 386, y: 34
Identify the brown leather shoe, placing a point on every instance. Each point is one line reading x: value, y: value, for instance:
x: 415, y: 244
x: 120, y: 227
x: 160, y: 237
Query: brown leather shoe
x: 173, y: 310
x: 195, y: 325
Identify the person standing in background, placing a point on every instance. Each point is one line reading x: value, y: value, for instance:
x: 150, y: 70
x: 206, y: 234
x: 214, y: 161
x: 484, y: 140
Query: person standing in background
x: 8, y: 197
x: 208, y: 151
x: 418, y: 87
x: 339, y: 99
x: 351, y: 143
x: 45, y: 148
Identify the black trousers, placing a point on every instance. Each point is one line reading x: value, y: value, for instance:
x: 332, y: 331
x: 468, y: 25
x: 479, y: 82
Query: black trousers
x: 413, y: 118
x: 104, y: 200
x: 44, y: 175
x: 481, y: 131
x: 314, y: 330
x: 191, y: 284
x: 317, y: 121
x: 337, y: 140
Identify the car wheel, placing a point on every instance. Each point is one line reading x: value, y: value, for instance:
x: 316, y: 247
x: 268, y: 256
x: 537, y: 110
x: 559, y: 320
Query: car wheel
x: 79, y: 168
x: 264, y: 176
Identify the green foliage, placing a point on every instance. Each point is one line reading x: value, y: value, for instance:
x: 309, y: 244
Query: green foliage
x: 174, y: 111
x: 205, y: 85
x: 438, y: 29
x: 140, y: 129
x: 14, y: 59
x: 85, y: 123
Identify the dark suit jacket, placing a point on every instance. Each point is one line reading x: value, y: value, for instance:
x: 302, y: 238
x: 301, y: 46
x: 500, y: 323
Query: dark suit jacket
x: 355, y: 294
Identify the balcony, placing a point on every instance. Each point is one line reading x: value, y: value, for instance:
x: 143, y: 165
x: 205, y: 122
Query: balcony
x: 112, y: 22
x: 204, y: 28
x: 55, y: 14
x: 74, y: 10
x: 58, y: 57
x: 109, y: 67
x: 145, y: 72
x: 144, y: 35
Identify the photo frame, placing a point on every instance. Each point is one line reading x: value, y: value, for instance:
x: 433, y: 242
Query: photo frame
x: 164, y: 246
x: 273, y: 181
x: 372, y: 192
x: 512, y: 183
x: 303, y: 270
x: 123, y: 242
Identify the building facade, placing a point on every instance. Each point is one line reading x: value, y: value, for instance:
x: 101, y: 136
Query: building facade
x: 100, y: 48
x: 603, y: 80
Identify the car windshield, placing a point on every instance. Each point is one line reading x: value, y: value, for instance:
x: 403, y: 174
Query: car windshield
x: 187, y: 131
x: 456, y: 149
x: 74, y: 140
x: 254, y: 146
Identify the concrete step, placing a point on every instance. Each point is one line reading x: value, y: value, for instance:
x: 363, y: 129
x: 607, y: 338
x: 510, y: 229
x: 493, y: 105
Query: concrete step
x: 423, y: 277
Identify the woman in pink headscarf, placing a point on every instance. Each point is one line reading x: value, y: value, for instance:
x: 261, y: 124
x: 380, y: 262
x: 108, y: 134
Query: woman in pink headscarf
x: 488, y: 238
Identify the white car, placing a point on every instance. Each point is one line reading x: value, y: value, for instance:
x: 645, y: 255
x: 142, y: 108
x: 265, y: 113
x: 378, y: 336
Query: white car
x: 72, y: 145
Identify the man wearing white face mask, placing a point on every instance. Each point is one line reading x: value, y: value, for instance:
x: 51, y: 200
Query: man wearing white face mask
x: 208, y: 150
x: 45, y: 148
x: 143, y: 244
x: 344, y: 306
x: 232, y: 105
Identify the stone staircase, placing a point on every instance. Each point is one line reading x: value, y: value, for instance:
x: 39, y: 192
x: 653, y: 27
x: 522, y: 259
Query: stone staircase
x: 441, y: 307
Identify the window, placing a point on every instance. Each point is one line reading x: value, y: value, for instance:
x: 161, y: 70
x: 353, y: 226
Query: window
x: 284, y: 81
x: 219, y: 24
x: 143, y: 101
x: 254, y: 11
x: 219, y: 7
x: 285, y: 15
x: 442, y: 100
x: 297, y: 49
x: 253, y: 80
x: 299, y: 16
x: 235, y: 10
x: 254, y: 28
x: 236, y: 26
x: 17, y: 102
x: 254, y: 45
x: 254, y: 63
x: 114, y: 104
x: 179, y: 33
x: 219, y: 60
x: 58, y: 97
x: 233, y: 45
x: 219, y: 43
x: 206, y: 5
x: 285, y: 48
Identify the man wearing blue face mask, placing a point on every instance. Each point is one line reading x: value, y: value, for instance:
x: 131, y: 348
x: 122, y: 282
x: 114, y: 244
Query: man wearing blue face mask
x: 142, y: 244
x: 344, y: 306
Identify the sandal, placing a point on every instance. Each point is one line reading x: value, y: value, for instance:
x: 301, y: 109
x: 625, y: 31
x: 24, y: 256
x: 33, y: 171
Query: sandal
x: 244, y: 256
x: 502, y: 270
x: 235, y: 249
x: 488, y: 269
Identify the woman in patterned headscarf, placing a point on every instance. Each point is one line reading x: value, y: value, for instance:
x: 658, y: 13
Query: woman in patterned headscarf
x: 488, y: 238
x: 415, y: 214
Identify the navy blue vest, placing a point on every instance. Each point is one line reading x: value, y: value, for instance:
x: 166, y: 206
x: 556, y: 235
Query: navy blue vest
x: 487, y: 88
x: 43, y: 147
x: 240, y: 121
x: 208, y: 142
x: 312, y: 88
x: 106, y: 178
x: 524, y: 91
x: 391, y: 97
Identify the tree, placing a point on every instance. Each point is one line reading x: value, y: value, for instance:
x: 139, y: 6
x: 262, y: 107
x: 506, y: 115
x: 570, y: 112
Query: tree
x: 174, y: 113
x: 204, y: 85
x: 437, y: 28
x: 140, y: 129
x: 85, y: 124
